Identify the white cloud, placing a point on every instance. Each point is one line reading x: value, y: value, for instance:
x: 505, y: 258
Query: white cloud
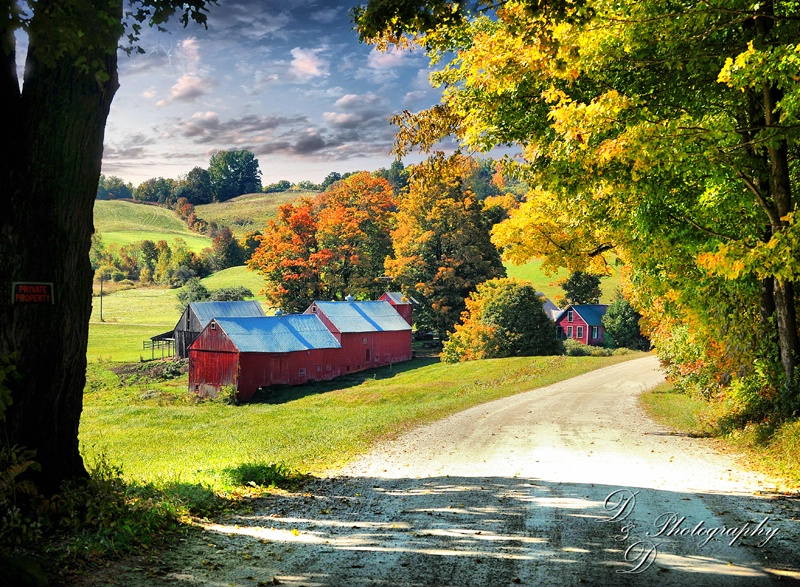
x: 189, y: 51
x: 187, y: 89
x: 307, y: 64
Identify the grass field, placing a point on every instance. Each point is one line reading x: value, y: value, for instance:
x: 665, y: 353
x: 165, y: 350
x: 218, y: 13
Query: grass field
x: 157, y: 434
x: 248, y: 212
x: 132, y: 316
x: 124, y: 223
x: 546, y: 284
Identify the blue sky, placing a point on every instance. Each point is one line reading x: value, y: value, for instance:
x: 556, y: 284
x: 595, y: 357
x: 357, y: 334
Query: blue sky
x: 287, y: 80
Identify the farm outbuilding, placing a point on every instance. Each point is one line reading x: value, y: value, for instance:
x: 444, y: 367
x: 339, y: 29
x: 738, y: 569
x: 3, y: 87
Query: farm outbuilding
x: 253, y: 352
x: 583, y: 322
x: 372, y: 333
x: 197, y: 316
x: 402, y: 303
x: 549, y: 307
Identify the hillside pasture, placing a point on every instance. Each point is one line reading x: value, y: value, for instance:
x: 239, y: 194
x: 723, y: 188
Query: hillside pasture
x: 532, y: 271
x: 248, y: 212
x: 124, y: 223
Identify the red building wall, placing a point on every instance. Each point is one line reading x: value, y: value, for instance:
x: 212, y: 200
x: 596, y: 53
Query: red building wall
x: 367, y: 350
x: 214, y: 362
x: 581, y: 331
x: 577, y: 323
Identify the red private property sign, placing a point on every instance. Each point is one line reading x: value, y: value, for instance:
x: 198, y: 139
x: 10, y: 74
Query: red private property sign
x: 32, y: 293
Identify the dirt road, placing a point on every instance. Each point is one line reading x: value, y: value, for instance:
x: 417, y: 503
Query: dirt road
x: 566, y: 485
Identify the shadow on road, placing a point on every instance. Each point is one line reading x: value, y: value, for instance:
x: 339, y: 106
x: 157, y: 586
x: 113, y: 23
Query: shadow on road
x: 504, y: 531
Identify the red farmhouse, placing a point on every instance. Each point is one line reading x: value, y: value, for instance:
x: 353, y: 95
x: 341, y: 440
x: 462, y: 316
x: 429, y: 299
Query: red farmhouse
x: 249, y: 353
x: 372, y: 333
x: 583, y: 323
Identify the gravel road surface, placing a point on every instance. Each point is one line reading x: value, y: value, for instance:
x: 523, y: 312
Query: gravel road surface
x: 565, y: 485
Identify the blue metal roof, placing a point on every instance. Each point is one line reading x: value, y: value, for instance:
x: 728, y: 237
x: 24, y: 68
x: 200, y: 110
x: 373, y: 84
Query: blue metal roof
x: 368, y: 316
x: 278, y: 334
x: 400, y: 298
x: 592, y: 314
x: 205, y: 311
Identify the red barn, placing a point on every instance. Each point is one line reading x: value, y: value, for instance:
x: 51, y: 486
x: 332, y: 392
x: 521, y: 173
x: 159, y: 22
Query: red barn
x: 583, y: 322
x: 249, y: 353
x: 400, y: 302
x: 197, y: 315
x: 372, y: 333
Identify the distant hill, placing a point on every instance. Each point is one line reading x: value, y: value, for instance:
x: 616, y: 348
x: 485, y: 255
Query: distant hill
x: 248, y: 212
x: 125, y: 222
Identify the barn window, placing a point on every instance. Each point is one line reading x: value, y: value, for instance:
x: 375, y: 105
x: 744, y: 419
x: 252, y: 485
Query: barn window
x: 319, y: 368
x: 302, y: 372
x: 580, y: 331
x: 594, y: 331
x: 213, y: 326
x: 328, y: 367
x: 364, y: 340
x: 569, y: 331
x: 367, y: 356
x: 569, y: 316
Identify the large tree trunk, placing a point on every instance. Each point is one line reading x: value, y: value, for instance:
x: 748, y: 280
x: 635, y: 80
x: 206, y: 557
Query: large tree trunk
x: 780, y: 188
x: 52, y: 143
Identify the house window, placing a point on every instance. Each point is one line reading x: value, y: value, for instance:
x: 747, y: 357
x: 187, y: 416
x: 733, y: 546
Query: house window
x: 594, y: 331
x: 569, y: 316
x: 367, y: 357
x: 580, y: 331
x: 569, y: 331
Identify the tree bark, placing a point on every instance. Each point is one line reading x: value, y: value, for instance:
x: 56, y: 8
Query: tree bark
x: 782, y: 202
x: 48, y: 181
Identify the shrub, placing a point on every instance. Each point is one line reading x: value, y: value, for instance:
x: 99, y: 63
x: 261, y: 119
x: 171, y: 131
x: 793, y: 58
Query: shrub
x: 575, y: 348
x: 504, y: 318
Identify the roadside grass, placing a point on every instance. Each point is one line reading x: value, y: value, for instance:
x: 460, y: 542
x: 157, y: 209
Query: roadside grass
x: 159, y: 434
x: 770, y: 448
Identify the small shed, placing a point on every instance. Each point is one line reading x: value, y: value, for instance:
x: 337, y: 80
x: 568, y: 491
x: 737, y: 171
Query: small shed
x: 372, y: 333
x: 253, y: 352
x: 197, y: 315
x: 583, y: 322
x: 402, y: 303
